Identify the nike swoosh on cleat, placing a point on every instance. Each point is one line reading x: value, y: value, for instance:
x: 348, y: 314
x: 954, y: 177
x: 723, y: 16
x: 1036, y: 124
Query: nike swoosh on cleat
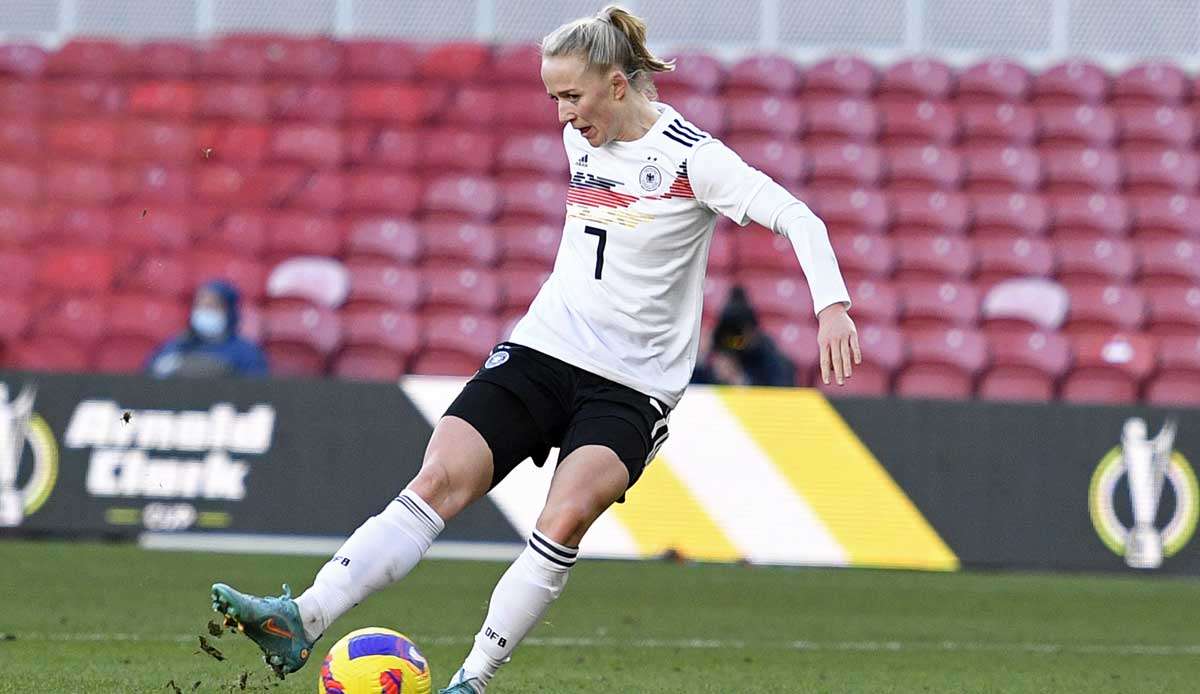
x: 270, y: 627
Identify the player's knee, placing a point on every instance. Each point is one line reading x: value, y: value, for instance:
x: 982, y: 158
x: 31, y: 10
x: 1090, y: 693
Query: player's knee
x: 566, y: 521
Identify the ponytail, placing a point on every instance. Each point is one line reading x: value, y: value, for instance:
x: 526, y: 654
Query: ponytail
x: 613, y: 38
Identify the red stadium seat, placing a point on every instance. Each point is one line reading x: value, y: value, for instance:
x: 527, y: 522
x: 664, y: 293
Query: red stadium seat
x: 299, y: 339
x: 1161, y: 171
x: 310, y: 102
x: 47, y: 354
x: 704, y: 112
x: 82, y: 139
x: 471, y: 336
x: 761, y: 250
x: 520, y: 287
x: 781, y: 159
x: 1174, y: 311
x: 70, y: 270
x: 247, y: 275
x: 457, y: 245
x: 162, y: 59
x: 836, y: 121
x: 526, y: 109
x: 694, y: 72
x: 163, y: 99
x: 1166, y: 217
x: 80, y: 319
x: 445, y: 150
x: 1157, y: 126
x: 227, y: 185
x: 307, y: 58
x: 1077, y: 126
x: 87, y: 57
x: 239, y: 143
x: 765, y: 115
x: 19, y: 183
x: 393, y: 239
x: 1104, y: 309
x: 993, y: 81
x: 764, y: 74
x: 1092, y: 216
x: 75, y: 182
x: 875, y: 301
x: 236, y: 231
x: 394, y: 103
x: 83, y: 98
x: 942, y: 364
x: 242, y: 101
x: 1072, y: 82
x: 797, y: 340
x: 1151, y: 84
x: 1006, y: 258
x: 916, y: 79
x: 1082, y: 170
x: 161, y: 229
x: 375, y: 284
x: 523, y: 154
x: 780, y: 295
x: 297, y: 233
x: 934, y: 258
x: 158, y: 141
x: 919, y: 123
x: 233, y: 56
x: 78, y: 226
x: 931, y: 304
x: 533, y: 201
x: 924, y: 168
x: 21, y: 100
x: 1108, y: 368
x: 847, y: 166
x: 461, y: 61
x: 842, y: 75
x: 20, y: 138
x: 517, y: 63
x: 19, y: 225
x: 465, y: 198
x: 1006, y: 215
x: 999, y: 124
x: 122, y: 354
x: 1169, y: 263
x: 1024, y: 304
x: 529, y: 247
x: 1177, y: 383
x: 366, y: 364
x: 884, y: 351
x: 384, y: 146
x: 147, y: 317
x: 16, y: 312
x: 25, y: 61
x: 314, y: 145
x: 166, y: 276
x: 1096, y: 262
x: 722, y: 251
x: 862, y: 256
x: 1025, y: 366
x: 994, y: 169
x: 851, y: 210
x: 442, y: 363
x: 153, y: 185
x: 384, y: 60
x: 470, y: 290
x: 378, y: 190
x: 716, y: 293
x: 395, y: 333
x: 925, y: 214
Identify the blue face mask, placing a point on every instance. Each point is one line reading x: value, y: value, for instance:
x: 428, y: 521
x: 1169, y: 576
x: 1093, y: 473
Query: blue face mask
x: 209, y: 323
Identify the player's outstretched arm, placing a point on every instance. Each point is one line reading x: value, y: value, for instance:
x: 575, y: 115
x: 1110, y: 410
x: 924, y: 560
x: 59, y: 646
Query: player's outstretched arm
x: 837, y: 339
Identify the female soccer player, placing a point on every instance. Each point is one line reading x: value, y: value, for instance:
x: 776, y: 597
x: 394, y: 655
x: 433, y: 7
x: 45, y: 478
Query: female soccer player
x: 596, y: 365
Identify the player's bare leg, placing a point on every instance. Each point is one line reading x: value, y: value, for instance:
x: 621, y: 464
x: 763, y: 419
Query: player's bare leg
x: 457, y: 470
x: 585, y: 484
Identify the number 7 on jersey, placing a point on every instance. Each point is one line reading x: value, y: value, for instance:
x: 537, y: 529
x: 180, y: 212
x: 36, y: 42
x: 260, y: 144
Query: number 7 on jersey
x: 601, y: 235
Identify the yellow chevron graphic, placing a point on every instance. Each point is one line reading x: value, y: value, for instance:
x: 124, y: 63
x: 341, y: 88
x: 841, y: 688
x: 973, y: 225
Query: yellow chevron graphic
x: 662, y: 514
x: 842, y: 482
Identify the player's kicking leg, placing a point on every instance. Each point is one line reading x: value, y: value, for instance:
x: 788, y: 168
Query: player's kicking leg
x: 456, y: 471
x: 586, y: 483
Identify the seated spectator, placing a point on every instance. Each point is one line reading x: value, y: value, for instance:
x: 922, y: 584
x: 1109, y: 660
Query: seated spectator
x: 210, y: 346
x: 741, y: 353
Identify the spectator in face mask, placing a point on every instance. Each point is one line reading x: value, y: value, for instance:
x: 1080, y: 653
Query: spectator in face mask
x: 210, y: 346
x: 741, y: 353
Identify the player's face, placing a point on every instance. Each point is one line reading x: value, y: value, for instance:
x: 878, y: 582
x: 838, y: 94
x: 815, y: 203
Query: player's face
x: 586, y: 98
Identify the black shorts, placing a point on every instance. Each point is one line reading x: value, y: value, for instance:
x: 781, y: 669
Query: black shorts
x: 524, y: 403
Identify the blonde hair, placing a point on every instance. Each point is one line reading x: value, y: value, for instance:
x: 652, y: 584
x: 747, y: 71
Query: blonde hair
x: 613, y: 38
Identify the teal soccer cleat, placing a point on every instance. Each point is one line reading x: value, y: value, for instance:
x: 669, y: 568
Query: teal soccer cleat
x: 272, y: 623
x: 458, y: 685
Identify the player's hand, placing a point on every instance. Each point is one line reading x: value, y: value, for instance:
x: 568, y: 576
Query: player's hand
x: 837, y: 338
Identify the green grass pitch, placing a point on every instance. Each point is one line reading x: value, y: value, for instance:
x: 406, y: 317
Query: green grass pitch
x: 113, y: 618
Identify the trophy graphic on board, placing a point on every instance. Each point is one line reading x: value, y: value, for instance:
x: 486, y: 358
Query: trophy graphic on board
x: 15, y: 417
x: 1146, y: 462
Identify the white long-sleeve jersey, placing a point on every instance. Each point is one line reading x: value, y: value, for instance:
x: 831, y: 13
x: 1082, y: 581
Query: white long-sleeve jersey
x: 624, y: 298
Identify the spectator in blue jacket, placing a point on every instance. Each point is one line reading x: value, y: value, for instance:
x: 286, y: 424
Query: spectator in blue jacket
x: 211, y: 345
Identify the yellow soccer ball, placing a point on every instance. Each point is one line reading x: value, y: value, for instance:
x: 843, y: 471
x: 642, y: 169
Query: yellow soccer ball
x: 374, y: 661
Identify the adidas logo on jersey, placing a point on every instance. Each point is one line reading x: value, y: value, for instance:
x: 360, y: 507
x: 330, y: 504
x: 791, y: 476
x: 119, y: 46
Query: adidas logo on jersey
x: 582, y: 161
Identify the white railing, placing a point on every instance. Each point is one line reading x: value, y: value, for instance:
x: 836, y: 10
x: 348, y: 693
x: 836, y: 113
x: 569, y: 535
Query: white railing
x: 1115, y: 33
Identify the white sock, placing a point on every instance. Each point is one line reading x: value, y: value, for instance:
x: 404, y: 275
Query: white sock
x: 383, y: 550
x: 522, y: 596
